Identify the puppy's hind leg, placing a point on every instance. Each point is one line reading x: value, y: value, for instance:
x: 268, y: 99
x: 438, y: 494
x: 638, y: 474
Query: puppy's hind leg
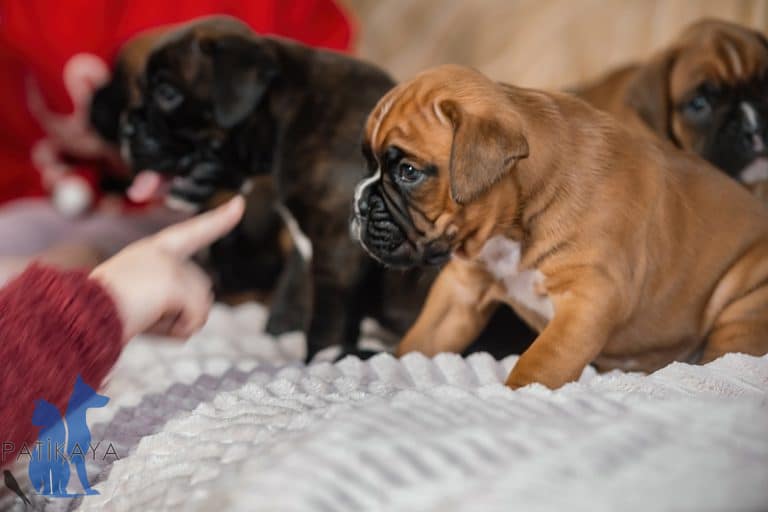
x: 741, y: 327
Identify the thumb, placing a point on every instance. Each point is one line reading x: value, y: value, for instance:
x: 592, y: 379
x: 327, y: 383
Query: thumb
x: 188, y: 237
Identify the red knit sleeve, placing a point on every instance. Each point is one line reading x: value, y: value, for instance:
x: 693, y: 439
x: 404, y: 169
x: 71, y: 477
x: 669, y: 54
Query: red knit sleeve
x: 54, y: 325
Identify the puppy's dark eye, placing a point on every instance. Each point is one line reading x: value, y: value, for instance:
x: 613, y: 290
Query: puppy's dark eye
x: 698, y: 107
x: 408, y: 174
x: 167, y: 96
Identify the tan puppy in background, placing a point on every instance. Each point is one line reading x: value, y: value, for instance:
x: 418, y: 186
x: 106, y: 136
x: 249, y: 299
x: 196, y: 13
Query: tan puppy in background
x: 620, y: 250
x: 706, y: 92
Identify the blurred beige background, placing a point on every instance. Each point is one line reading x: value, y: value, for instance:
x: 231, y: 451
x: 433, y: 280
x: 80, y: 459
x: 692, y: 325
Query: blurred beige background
x: 538, y: 43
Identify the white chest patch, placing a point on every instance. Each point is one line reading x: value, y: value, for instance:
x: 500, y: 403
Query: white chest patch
x: 302, y: 241
x: 501, y: 257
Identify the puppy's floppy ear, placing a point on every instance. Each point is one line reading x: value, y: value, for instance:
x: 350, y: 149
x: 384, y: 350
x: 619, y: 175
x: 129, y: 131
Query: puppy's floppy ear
x: 483, y: 149
x: 243, y: 69
x: 107, y: 105
x: 648, y: 92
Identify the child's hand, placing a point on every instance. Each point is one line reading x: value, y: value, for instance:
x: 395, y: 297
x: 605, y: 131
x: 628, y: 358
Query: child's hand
x: 72, y: 133
x: 155, y: 286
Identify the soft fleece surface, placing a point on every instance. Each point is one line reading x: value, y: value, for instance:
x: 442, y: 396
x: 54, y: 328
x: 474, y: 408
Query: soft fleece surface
x: 232, y: 421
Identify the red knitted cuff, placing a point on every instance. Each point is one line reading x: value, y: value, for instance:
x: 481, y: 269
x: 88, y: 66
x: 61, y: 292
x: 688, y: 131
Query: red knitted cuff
x: 54, y: 325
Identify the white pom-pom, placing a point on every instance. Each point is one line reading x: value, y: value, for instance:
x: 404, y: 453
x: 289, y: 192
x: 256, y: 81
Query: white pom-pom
x: 72, y: 196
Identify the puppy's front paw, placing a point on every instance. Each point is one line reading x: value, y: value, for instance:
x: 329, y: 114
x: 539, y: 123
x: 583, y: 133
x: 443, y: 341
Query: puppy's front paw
x: 515, y: 380
x: 520, y: 377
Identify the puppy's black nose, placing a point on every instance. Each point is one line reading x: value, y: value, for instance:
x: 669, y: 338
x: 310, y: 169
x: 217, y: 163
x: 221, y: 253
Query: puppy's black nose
x: 377, y: 209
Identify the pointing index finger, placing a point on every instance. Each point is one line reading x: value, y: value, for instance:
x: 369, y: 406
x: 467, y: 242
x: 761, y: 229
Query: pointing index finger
x: 186, y: 238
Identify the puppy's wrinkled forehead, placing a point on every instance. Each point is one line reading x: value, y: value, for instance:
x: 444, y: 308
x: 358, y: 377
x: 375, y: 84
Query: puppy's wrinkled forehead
x: 401, y: 116
x: 723, y: 52
x: 410, y: 116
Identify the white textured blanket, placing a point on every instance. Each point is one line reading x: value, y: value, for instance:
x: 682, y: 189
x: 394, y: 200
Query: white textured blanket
x: 232, y: 421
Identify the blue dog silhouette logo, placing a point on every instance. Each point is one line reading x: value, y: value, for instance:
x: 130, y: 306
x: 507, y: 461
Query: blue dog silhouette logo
x: 63, y: 442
